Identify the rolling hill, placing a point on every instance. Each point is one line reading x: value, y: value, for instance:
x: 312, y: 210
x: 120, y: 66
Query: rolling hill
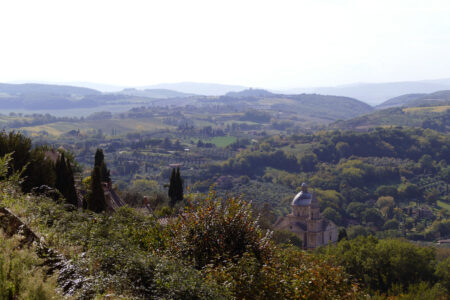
x: 319, y: 107
x: 376, y: 93
x: 411, y: 100
x: 433, y: 117
x: 208, y: 89
x: 155, y: 93
x: 36, y: 88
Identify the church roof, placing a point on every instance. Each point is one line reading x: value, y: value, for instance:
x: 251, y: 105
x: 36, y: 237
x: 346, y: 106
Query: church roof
x: 302, y: 226
x: 302, y: 199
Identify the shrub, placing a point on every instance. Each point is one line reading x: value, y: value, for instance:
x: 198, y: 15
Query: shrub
x: 21, y: 276
x: 216, y: 230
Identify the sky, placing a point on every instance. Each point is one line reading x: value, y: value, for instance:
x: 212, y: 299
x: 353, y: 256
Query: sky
x: 270, y: 44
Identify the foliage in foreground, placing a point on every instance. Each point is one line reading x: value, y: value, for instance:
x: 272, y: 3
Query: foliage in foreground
x: 21, y: 276
x: 392, y: 266
x: 130, y: 254
x: 221, y: 238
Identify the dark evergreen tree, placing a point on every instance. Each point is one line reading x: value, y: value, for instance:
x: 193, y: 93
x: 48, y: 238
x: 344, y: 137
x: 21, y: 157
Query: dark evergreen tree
x: 342, y: 234
x: 65, y: 182
x: 96, y: 200
x: 72, y: 196
x: 61, y: 171
x: 106, y: 177
x: 100, y: 162
x: 175, y: 187
x: 99, y: 157
x: 179, y: 186
x: 172, y: 193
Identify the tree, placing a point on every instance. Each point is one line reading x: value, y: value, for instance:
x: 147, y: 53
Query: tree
x: 215, y: 231
x: 100, y: 162
x: 172, y: 184
x: 96, y: 199
x: 386, y: 205
x: 179, y: 186
x: 443, y: 273
x: 99, y: 157
x: 175, y: 187
x: 307, y: 162
x: 409, y: 191
x: 382, y: 264
x: 65, y: 182
x: 343, y: 149
x: 342, y: 234
x: 426, y: 163
x: 432, y: 196
x: 386, y: 190
x: 445, y: 173
x: 372, y: 216
x: 391, y: 225
x: 354, y: 209
x: 332, y: 215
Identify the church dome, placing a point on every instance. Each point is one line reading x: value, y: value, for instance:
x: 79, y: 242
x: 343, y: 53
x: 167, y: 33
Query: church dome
x: 303, y: 198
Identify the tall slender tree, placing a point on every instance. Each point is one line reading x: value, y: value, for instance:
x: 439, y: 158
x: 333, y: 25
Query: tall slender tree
x: 175, y: 187
x: 172, y: 193
x: 72, y: 196
x: 100, y: 162
x: 65, y: 182
x: 99, y: 157
x: 179, y: 186
x: 96, y: 200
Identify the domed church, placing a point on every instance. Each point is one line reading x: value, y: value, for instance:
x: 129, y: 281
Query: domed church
x: 306, y: 221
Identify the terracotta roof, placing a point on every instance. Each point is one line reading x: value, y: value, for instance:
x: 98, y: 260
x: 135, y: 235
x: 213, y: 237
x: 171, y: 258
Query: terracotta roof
x: 301, y: 225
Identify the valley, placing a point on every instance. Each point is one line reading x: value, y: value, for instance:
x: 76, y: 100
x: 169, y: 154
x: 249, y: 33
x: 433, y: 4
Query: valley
x: 379, y: 175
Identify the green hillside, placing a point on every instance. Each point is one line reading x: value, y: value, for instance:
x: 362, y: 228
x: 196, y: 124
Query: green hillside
x: 436, y: 98
x: 433, y: 117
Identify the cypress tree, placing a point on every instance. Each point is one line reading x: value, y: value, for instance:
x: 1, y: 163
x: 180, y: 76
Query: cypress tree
x: 96, y: 200
x: 175, y: 187
x: 172, y: 183
x: 100, y: 162
x: 61, y: 171
x: 99, y: 157
x: 65, y: 182
x: 179, y: 186
x: 106, y: 177
x: 71, y: 196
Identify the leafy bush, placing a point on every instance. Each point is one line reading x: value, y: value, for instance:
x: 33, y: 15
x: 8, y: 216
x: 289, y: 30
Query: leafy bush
x: 215, y: 230
x: 382, y: 264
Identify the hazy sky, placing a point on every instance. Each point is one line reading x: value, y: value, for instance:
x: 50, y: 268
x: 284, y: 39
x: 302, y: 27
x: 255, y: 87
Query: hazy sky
x: 272, y: 44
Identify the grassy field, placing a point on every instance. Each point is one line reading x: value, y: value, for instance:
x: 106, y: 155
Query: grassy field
x: 120, y: 125
x: 443, y: 204
x: 223, y: 141
x: 426, y: 109
x: 298, y: 148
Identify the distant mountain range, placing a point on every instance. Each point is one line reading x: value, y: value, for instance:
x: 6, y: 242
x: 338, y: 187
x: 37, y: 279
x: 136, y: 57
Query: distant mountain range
x: 416, y: 99
x: 36, y: 88
x: 376, y: 93
x: 198, y: 88
x: 207, y: 89
x: 371, y: 93
x: 155, y: 93
x: 308, y: 107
